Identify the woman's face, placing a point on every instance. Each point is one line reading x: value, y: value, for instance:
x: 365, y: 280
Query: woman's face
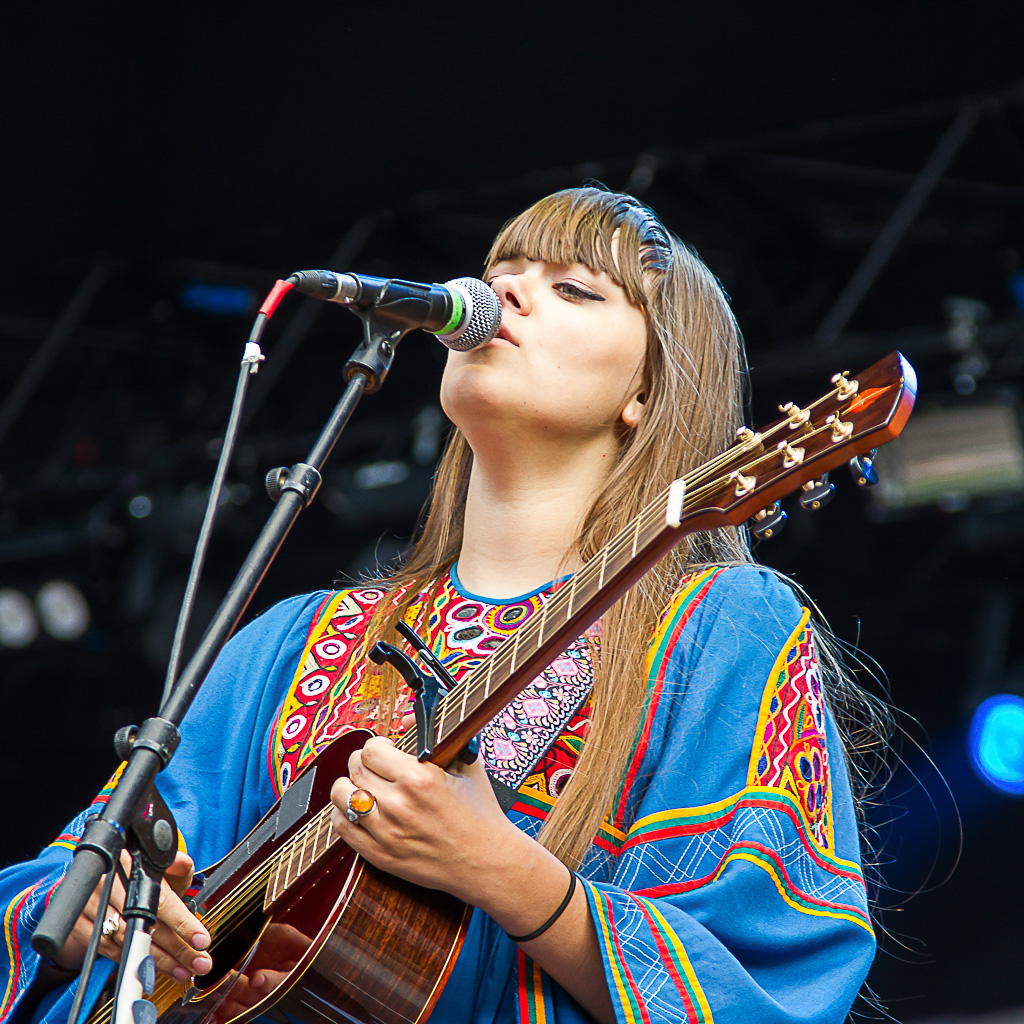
x: 566, y: 365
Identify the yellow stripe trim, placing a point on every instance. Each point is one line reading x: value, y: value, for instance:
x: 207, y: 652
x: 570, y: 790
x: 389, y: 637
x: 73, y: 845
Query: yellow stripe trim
x: 315, y: 635
x: 780, y: 885
x: 702, y: 1000
x: 750, y: 791
x: 667, y: 620
x: 624, y: 1000
x: 9, y: 939
x: 540, y: 1010
x: 543, y: 798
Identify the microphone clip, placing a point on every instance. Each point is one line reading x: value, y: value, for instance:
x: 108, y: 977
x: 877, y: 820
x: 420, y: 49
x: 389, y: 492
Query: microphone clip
x: 383, y: 329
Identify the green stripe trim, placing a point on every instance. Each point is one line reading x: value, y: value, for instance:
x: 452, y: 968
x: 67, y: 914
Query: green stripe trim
x: 699, y: 816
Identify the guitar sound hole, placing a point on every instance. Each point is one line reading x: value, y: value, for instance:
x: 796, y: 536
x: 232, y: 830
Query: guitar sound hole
x: 229, y: 951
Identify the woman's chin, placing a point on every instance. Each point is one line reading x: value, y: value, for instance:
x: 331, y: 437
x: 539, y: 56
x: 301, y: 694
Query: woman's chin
x: 467, y: 396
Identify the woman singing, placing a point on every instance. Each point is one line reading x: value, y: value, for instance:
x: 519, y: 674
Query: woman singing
x: 678, y: 838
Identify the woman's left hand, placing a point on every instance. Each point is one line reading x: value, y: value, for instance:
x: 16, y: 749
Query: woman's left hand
x: 439, y: 829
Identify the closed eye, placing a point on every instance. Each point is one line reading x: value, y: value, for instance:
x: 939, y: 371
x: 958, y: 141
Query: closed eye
x: 574, y: 291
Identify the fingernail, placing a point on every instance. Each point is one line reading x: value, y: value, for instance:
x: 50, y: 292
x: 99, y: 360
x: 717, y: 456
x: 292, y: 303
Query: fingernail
x: 180, y: 974
x: 202, y: 964
x: 200, y: 941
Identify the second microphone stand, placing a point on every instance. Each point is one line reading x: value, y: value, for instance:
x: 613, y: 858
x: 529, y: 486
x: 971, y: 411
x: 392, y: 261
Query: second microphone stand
x: 134, y: 817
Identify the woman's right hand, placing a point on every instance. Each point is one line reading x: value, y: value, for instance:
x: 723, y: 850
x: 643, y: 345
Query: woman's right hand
x: 179, y: 937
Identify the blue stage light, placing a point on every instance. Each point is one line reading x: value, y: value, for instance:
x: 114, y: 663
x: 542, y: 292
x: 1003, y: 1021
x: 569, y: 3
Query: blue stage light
x: 996, y: 743
x: 1016, y: 283
x: 217, y: 299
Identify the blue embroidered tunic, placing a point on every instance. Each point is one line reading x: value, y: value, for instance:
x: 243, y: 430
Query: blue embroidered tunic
x: 725, y: 884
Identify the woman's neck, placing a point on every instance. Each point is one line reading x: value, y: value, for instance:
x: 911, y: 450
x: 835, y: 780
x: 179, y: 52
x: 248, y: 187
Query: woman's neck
x: 523, y: 517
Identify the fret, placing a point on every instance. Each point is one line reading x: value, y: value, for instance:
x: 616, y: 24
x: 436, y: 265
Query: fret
x: 543, y: 621
x: 441, y: 724
x: 288, y: 869
x: 315, y: 826
x: 604, y: 564
x: 322, y: 834
x: 636, y: 532
x: 276, y: 868
x: 572, y: 593
x: 302, y: 853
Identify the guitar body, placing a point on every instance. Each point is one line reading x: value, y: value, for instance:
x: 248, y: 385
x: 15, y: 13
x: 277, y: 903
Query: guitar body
x: 351, y: 943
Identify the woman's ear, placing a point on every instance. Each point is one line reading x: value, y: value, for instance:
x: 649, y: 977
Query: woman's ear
x: 633, y: 410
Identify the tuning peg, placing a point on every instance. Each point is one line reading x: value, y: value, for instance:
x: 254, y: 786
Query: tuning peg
x: 768, y: 522
x: 863, y: 469
x: 817, y: 493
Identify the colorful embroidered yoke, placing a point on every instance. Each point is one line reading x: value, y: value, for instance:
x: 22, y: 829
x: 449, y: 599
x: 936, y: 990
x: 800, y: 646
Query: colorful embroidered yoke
x: 725, y: 884
x: 333, y: 691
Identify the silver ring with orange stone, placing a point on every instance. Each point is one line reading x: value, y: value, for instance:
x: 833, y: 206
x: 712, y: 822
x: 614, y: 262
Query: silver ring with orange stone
x: 360, y: 802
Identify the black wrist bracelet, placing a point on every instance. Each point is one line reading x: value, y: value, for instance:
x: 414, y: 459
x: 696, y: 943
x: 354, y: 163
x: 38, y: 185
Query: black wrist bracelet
x: 559, y: 910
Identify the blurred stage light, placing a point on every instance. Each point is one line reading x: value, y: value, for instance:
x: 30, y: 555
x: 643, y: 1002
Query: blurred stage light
x: 950, y: 456
x: 63, y: 610
x: 996, y: 743
x: 18, y: 625
x: 380, y: 474
x: 140, y: 506
x: 217, y: 299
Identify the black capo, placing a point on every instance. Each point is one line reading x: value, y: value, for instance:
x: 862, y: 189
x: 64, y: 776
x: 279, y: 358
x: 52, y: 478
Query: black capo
x: 430, y: 681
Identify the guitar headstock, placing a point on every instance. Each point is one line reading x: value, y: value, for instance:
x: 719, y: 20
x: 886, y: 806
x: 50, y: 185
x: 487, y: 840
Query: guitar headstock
x: 858, y: 414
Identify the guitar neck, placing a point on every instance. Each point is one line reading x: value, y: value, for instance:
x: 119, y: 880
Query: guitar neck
x: 856, y: 416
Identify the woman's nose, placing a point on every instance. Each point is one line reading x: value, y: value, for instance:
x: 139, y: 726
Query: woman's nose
x: 513, y: 291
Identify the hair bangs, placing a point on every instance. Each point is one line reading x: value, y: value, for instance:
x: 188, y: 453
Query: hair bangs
x: 577, y: 226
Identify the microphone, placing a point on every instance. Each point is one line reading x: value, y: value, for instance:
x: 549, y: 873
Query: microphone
x: 464, y: 313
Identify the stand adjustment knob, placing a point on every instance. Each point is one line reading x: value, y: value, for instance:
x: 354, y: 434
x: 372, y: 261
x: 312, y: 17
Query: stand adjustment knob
x: 274, y: 482
x: 124, y: 740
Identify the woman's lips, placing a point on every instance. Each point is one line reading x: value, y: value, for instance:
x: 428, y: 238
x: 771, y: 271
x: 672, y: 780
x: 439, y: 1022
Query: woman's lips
x: 503, y: 333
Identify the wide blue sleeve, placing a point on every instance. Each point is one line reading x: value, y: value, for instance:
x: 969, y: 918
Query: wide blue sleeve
x: 736, y: 892
x: 726, y: 885
x: 216, y: 785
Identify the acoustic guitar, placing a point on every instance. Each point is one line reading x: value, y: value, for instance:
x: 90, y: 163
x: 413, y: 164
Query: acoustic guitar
x: 354, y: 944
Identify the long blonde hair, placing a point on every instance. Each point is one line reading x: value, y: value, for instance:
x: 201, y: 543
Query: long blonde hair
x: 693, y: 378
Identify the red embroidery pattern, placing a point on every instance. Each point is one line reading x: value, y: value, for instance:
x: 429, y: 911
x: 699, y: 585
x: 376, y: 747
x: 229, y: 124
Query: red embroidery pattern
x: 557, y: 765
x: 330, y: 693
x: 789, y: 750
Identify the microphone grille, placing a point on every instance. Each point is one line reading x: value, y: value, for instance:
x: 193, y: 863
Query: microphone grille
x: 482, y: 319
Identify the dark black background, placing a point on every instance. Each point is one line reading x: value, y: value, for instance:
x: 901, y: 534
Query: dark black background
x: 235, y: 144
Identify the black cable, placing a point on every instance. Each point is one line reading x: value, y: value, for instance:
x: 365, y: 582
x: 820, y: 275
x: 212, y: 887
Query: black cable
x: 250, y: 363
x: 94, y: 945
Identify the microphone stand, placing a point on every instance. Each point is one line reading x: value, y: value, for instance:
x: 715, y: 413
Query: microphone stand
x: 135, y: 817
